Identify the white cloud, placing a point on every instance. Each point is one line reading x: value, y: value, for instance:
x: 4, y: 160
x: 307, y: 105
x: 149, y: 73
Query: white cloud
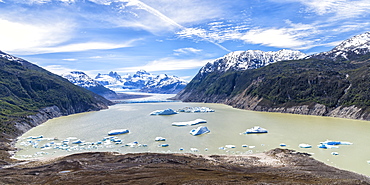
x: 96, y: 57
x: 167, y: 64
x: 58, y: 69
x: 82, y: 47
x: 69, y: 59
x: 280, y: 38
x: 186, y: 51
x: 24, y: 37
x: 342, y: 9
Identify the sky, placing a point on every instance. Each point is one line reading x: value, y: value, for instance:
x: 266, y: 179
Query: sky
x: 176, y: 37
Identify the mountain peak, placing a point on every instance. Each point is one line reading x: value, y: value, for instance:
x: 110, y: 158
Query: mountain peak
x: 10, y: 57
x: 250, y: 59
x: 349, y: 49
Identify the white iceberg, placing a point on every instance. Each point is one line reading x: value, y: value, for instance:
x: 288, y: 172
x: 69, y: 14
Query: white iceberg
x: 303, y: 145
x: 117, y: 132
x: 163, y: 112
x: 160, y: 139
x: 230, y: 146
x: 328, y: 142
x: 189, y: 123
x: 196, y: 109
x: 194, y: 150
x: 163, y: 145
x: 255, y: 130
x: 200, y: 130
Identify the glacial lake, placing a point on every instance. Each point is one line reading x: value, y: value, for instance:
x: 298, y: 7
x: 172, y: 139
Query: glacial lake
x: 226, y: 125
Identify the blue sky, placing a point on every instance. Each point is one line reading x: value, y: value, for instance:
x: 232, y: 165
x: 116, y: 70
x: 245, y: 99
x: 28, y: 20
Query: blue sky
x: 176, y: 37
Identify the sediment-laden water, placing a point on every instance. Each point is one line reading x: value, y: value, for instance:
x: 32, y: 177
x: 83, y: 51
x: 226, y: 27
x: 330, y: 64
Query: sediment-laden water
x: 226, y: 125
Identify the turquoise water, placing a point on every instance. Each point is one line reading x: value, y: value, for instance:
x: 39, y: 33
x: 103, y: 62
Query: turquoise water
x: 226, y: 125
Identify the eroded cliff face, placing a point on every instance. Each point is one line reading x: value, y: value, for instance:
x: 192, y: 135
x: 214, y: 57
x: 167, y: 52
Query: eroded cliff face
x: 248, y: 102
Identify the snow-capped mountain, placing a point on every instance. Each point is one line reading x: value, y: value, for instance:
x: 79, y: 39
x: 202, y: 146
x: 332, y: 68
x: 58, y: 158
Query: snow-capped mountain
x: 10, y: 57
x: 142, y: 81
x: 83, y: 80
x: 349, y: 49
x: 250, y: 59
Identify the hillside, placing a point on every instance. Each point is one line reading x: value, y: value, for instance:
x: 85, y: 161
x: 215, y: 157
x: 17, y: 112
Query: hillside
x: 316, y: 86
x: 29, y: 95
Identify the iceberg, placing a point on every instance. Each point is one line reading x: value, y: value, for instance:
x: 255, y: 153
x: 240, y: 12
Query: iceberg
x: 200, y: 130
x: 194, y: 150
x: 255, y: 130
x: 328, y: 142
x: 326, y: 146
x: 77, y: 142
x: 163, y: 112
x: 303, y: 145
x: 189, y: 123
x: 160, y: 139
x: 117, y: 132
x: 164, y: 145
x: 196, y: 110
x: 230, y: 146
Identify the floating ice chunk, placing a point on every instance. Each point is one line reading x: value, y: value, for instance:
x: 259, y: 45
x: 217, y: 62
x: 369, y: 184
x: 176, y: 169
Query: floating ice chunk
x: 77, y: 142
x: 326, y: 146
x: 200, y: 130
x: 229, y: 146
x: 133, y: 144
x: 189, y: 123
x: 163, y: 112
x: 35, y: 137
x: 328, y: 142
x: 304, y: 145
x: 345, y: 143
x: 118, y: 131
x: 194, y: 150
x: 196, y: 110
x: 164, y: 145
x: 160, y: 139
x: 255, y: 130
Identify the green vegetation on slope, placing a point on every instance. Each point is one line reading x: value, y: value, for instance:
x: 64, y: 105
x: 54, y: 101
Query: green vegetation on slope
x: 26, y: 88
x: 289, y: 83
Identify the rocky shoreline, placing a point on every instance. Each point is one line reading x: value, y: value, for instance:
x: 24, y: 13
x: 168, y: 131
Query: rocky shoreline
x: 243, y: 101
x: 277, y: 166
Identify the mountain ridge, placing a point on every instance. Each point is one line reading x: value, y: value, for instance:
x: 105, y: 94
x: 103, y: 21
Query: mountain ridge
x: 30, y: 95
x: 142, y: 81
x: 323, y: 86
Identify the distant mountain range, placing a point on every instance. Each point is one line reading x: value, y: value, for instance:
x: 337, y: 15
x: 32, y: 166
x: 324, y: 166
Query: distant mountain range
x: 334, y: 83
x: 140, y: 81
